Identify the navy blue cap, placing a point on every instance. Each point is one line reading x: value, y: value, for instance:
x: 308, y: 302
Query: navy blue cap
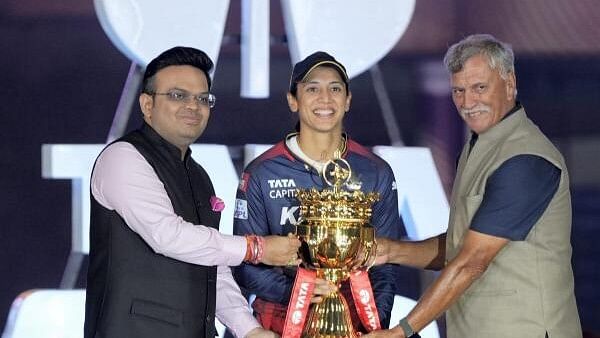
x: 314, y: 60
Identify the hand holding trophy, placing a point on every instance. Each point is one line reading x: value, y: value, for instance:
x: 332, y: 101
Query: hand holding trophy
x: 334, y: 230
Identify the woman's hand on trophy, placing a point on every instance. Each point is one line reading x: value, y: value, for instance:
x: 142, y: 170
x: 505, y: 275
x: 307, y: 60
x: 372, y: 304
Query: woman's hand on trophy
x: 259, y: 332
x: 322, y: 288
x: 281, y: 250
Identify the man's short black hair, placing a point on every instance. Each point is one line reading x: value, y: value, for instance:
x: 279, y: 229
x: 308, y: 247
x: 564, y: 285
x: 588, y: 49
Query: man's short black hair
x: 176, y: 56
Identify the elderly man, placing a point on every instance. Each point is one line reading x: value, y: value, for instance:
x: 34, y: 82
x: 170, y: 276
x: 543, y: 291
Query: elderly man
x: 505, y: 260
x: 158, y: 264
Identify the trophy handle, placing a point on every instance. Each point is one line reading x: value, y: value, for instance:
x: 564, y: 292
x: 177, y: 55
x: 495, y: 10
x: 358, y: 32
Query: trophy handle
x: 371, y: 256
x: 368, y: 246
x: 303, y: 233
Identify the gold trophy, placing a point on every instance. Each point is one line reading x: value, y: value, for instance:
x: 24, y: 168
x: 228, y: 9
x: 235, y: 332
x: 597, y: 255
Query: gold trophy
x: 336, y: 234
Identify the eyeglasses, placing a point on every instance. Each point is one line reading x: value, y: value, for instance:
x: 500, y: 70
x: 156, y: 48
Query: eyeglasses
x: 179, y: 96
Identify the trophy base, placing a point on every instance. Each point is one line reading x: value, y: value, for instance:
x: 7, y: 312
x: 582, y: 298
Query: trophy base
x: 330, y: 319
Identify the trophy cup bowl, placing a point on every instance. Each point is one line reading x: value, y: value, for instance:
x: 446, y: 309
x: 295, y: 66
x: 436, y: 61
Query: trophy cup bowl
x: 333, y: 245
x: 336, y: 235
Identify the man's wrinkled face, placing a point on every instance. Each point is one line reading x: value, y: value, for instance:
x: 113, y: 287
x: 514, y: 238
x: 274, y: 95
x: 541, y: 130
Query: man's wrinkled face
x: 481, y: 96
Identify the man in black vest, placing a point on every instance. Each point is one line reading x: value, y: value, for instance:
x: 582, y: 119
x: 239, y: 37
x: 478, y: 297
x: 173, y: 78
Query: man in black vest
x: 158, y: 264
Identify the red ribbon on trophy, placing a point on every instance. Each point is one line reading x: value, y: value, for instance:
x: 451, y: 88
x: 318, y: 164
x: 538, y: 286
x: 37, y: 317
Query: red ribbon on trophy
x: 304, y: 286
x: 302, y: 292
x: 364, y: 301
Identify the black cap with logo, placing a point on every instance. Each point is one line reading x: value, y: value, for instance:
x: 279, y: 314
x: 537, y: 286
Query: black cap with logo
x: 314, y: 60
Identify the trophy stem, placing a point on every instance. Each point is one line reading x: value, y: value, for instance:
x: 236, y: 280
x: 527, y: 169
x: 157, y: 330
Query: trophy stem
x: 334, y: 227
x: 330, y: 319
x: 335, y: 276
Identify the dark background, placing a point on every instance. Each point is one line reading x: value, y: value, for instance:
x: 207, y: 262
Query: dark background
x: 62, y: 79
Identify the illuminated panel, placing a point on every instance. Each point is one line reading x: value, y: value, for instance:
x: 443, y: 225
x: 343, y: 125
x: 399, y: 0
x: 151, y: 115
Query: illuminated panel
x: 421, y: 199
x: 142, y: 29
x: 254, y: 82
x: 358, y: 33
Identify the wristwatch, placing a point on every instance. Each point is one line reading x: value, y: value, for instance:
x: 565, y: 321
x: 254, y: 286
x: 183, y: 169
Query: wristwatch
x: 408, y: 330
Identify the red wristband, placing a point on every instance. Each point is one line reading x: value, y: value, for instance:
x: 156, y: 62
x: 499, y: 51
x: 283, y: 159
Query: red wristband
x: 260, y: 249
x: 249, y: 247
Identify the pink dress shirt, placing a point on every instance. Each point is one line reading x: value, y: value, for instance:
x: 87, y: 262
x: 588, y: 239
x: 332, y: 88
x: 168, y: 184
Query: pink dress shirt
x: 123, y: 181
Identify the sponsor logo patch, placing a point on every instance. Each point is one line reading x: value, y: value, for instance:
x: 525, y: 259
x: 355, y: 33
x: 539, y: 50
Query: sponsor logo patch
x: 296, y: 317
x: 365, y: 299
x: 288, y: 215
x: 282, y: 188
x: 243, y: 186
x: 364, y: 296
x: 241, y: 209
x: 300, y: 304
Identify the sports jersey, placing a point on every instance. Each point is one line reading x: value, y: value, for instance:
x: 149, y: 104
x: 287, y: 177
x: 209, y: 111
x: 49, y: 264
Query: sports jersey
x: 266, y: 204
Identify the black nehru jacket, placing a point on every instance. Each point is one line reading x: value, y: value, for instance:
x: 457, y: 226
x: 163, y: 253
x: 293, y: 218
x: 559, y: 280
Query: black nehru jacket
x: 133, y: 291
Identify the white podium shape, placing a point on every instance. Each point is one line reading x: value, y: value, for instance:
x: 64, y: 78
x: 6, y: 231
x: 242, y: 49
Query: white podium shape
x: 52, y: 314
x: 402, y: 306
x: 142, y: 29
x: 421, y: 199
x: 75, y: 162
x: 358, y: 33
x: 46, y: 313
x: 215, y: 159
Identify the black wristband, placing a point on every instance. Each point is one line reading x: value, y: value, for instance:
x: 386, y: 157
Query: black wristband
x: 408, y: 330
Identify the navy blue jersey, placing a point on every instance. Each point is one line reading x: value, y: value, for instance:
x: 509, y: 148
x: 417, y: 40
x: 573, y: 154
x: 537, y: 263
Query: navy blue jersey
x: 266, y: 204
